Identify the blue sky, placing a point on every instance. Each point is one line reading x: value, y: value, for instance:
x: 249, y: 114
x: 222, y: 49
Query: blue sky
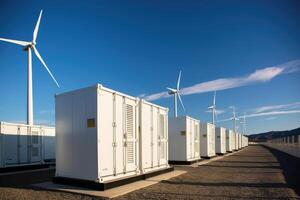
x: 138, y: 47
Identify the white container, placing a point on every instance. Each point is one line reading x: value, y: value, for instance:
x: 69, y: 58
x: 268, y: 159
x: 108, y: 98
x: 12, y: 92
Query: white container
x: 230, y: 138
x: 220, y: 140
x: 21, y: 144
x: 184, y: 139
x: 245, y: 141
x: 153, y: 137
x: 96, y: 135
x: 207, y: 139
x: 240, y: 140
x: 236, y: 141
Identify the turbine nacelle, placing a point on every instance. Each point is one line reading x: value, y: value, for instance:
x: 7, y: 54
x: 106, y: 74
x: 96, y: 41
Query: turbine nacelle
x: 172, y: 91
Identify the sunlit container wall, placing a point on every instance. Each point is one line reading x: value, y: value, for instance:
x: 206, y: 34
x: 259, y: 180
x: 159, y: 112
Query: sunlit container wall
x: 184, y: 139
x: 207, y: 139
x: 220, y: 140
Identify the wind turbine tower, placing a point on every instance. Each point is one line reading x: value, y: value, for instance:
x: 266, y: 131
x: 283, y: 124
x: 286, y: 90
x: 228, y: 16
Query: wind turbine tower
x: 244, y: 124
x: 29, y: 46
x: 234, y: 119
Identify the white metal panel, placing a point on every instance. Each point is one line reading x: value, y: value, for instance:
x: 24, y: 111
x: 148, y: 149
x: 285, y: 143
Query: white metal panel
x: 35, y: 151
x: 183, y: 139
x: 23, y: 144
x: 236, y: 141
x: 118, y: 144
x: 76, y: 142
x: 153, y: 136
x: 163, y: 137
x: 10, y: 143
x: 177, y: 139
x: 107, y: 147
x: 196, y: 128
x: 229, y: 140
x: 48, y: 143
x: 207, y: 140
x: 220, y: 140
x: 64, y: 138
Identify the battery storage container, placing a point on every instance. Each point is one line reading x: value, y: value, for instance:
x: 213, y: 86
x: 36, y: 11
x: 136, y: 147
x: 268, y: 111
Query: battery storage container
x: 230, y: 138
x: 236, y: 141
x: 184, y: 139
x: 207, y: 139
x: 97, y: 135
x: 220, y: 140
x: 21, y: 144
x: 153, y: 137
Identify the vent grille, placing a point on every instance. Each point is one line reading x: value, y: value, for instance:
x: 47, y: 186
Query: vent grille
x: 35, y: 151
x: 130, y: 152
x: 162, y: 150
x: 196, y: 132
x: 162, y: 126
x: 129, y: 121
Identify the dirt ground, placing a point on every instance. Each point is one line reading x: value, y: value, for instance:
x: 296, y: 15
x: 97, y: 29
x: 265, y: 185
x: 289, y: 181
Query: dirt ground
x: 256, y: 172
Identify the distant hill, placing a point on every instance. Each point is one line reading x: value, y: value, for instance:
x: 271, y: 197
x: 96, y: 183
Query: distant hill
x: 262, y: 137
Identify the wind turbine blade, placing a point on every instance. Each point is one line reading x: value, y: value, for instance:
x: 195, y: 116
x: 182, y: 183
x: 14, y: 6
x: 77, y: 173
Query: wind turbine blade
x: 178, y: 82
x: 42, y: 61
x: 36, y: 29
x: 22, y: 43
x: 214, y: 103
x: 181, y: 101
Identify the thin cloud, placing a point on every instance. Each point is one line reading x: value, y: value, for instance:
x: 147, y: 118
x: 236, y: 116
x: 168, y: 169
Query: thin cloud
x: 259, y: 76
x: 271, y: 113
x: 269, y: 118
x: 277, y: 107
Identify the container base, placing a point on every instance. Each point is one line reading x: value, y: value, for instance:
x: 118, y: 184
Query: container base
x: 110, y: 184
x: 181, y: 162
x: 24, y: 167
x: 208, y: 157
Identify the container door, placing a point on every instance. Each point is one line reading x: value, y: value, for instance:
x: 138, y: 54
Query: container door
x: 196, y: 139
x: 192, y: 137
x: 35, y: 140
x: 130, y: 136
x: 10, y: 144
x: 162, y: 139
x: 23, y: 144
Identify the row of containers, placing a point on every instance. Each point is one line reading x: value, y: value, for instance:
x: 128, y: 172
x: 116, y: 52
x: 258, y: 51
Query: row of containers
x: 104, y: 135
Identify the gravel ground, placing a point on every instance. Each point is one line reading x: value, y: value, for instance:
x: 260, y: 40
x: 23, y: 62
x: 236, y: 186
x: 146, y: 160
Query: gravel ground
x: 256, y: 172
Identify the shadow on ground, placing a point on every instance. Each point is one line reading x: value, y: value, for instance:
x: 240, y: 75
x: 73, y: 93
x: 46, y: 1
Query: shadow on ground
x: 290, y: 166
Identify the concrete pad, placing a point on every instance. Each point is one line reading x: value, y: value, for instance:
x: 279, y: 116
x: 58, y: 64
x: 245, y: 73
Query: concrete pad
x: 114, y: 192
x: 206, y: 161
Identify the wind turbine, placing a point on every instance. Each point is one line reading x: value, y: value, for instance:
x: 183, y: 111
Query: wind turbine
x: 244, y: 124
x: 234, y: 118
x: 176, y: 93
x: 213, y: 109
x: 28, y: 46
